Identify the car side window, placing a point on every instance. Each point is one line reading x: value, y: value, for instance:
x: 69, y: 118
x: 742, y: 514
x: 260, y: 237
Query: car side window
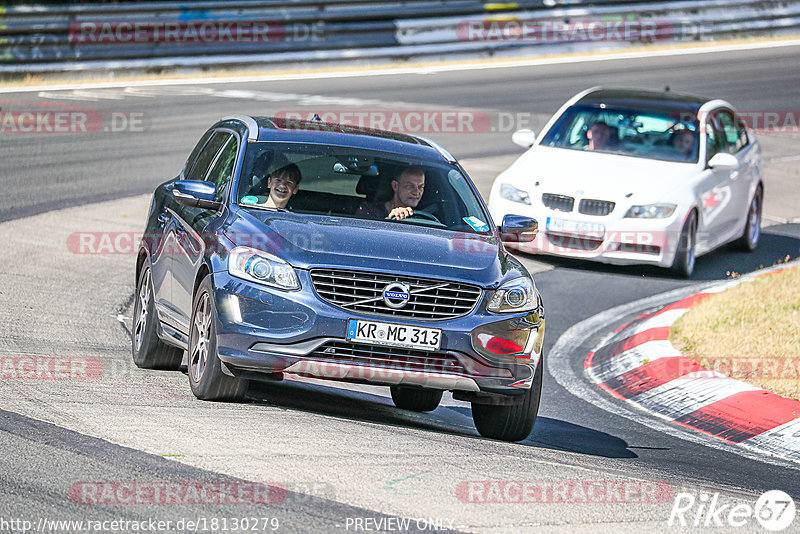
x: 713, y: 141
x: 741, y: 130
x: 730, y: 130
x: 222, y: 169
x: 196, y: 151
x: 206, y: 157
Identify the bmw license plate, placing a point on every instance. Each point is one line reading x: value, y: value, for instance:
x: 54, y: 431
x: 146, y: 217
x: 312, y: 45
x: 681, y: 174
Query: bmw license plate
x: 395, y: 335
x: 565, y: 226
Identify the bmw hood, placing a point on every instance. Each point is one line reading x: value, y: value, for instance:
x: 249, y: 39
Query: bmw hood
x: 307, y: 241
x: 584, y: 174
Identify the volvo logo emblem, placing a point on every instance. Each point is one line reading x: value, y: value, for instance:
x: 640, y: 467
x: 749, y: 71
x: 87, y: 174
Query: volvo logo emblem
x: 396, y: 295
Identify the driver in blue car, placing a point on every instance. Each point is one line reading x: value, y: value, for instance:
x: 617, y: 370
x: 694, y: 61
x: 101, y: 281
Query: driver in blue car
x: 408, y: 188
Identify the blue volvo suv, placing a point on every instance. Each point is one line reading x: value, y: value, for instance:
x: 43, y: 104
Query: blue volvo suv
x: 277, y: 252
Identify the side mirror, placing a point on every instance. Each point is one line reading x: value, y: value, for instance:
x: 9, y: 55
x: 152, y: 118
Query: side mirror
x: 196, y: 194
x: 723, y: 162
x: 518, y: 229
x: 525, y: 138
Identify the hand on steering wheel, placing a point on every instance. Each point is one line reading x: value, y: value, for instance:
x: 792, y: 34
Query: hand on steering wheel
x: 400, y: 213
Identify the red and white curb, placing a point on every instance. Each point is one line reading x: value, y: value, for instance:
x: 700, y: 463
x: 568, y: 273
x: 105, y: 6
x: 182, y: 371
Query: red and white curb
x: 639, y: 364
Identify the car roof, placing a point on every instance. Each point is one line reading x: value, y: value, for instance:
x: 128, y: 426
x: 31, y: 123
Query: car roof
x: 318, y: 132
x: 643, y: 98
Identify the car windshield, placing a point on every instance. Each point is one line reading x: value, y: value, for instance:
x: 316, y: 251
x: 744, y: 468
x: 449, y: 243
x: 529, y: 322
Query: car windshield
x: 348, y: 182
x: 653, y: 134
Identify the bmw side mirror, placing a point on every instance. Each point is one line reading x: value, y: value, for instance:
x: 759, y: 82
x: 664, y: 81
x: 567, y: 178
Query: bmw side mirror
x: 196, y: 194
x: 518, y: 229
x: 723, y: 162
x: 525, y: 138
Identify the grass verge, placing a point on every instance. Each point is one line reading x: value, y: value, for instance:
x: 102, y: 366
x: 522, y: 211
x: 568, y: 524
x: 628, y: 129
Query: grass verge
x: 750, y: 332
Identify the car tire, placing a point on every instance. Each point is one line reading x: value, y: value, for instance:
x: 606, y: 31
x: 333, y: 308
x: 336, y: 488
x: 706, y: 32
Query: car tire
x: 683, y: 264
x: 510, y: 423
x: 149, y: 352
x: 206, y: 378
x: 416, y: 399
x: 752, y: 229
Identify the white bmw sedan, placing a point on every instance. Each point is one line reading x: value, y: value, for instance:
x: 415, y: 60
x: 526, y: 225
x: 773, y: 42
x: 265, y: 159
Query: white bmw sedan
x: 632, y: 176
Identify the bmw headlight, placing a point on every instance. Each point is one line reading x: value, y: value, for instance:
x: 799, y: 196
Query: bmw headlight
x: 509, y: 192
x: 262, y: 267
x: 516, y: 295
x: 651, y: 211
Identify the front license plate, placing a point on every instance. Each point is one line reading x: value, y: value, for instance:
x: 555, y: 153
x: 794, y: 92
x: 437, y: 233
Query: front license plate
x: 395, y: 335
x: 565, y: 226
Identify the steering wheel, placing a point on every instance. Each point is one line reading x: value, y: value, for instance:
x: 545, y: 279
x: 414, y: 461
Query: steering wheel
x: 425, y: 215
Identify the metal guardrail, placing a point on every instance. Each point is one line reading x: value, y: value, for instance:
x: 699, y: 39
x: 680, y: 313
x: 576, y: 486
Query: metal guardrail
x: 155, y: 35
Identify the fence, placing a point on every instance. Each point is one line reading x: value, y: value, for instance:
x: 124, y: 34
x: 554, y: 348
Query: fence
x: 155, y: 35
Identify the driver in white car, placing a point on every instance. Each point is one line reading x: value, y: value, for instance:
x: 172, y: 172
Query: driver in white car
x: 682, y: 141
x: 408, y: 188
x: 599, y: 135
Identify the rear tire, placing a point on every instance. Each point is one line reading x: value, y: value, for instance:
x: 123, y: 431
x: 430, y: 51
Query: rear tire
x: 416, y: 399
x: 752, y: 229
x: 683, y: 264
x: 149, y: 352
x: 206, y: 378
x: 510, y: 423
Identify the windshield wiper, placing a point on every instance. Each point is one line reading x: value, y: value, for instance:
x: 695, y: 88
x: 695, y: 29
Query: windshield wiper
x: 267, y: 208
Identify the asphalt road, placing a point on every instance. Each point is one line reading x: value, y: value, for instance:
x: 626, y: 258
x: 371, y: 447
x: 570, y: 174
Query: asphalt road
x: 342, y: 454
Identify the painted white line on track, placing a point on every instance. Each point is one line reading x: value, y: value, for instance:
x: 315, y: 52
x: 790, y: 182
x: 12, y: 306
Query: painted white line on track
x: 683, y: 396
x: 633, y: 359
x: 431, y: 69
x: 561, y: 370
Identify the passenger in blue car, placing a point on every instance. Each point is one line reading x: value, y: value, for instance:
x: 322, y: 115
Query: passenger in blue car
x: 283, y: 183
x: 408, y: 188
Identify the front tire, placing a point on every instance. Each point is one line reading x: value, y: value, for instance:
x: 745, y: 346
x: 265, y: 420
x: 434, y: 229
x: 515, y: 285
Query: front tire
x: 149, y: 352
x: 683, y: 264
x: 752, y: 230
x: 206, y: 378
x: 510, y: 423
x: 416, y: 399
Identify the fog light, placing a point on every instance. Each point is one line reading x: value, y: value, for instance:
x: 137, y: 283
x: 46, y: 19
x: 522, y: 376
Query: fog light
x: 498, y: 345
x: 501, y: 339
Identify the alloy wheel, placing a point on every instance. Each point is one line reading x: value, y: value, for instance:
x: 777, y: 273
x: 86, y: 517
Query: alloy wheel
x: 144, y: 303
x: 201, y: 326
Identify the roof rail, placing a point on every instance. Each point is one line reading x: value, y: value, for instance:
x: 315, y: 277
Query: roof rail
x: 250, y: 122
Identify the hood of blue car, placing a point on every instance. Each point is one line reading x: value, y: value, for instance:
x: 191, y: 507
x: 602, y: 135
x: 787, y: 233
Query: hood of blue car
x: 307, y: 242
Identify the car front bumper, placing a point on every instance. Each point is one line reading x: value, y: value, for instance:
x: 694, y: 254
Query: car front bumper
x: 265, y: 333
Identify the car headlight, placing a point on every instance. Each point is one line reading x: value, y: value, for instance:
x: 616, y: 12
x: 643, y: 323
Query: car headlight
x: 262, y: 267
x: 651, y: 211
x: 509, y: 192
x: 516, y: 295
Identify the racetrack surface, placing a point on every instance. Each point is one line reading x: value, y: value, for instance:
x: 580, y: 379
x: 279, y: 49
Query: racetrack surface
x: 342, y: 452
